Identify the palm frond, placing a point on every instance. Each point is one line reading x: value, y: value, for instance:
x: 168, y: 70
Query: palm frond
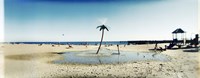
x: 98, y: 27
x: 106, y: 28
x: 102, y: 27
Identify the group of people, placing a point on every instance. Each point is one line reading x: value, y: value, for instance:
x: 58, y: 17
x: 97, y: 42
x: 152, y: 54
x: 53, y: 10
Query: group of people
x: 156, y: 48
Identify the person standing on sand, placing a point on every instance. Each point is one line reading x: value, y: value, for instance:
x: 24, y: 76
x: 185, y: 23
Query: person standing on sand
x: 156, y: 46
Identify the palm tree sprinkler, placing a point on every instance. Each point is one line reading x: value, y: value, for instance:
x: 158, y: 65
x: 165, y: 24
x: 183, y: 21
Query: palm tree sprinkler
x: 102, y: 27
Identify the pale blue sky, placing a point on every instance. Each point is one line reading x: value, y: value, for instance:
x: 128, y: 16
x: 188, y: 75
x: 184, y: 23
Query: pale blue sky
x: 47, y: 20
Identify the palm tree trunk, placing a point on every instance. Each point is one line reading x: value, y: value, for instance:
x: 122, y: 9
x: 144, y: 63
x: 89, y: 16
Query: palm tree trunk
x: 101, y: 41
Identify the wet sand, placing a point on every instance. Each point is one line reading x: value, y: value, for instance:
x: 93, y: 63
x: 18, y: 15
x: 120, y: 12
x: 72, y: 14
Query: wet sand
x: 33, y: 61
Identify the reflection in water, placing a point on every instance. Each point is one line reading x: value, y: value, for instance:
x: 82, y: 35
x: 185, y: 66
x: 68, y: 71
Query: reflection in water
x: 99, y: 60
x: 153, y: 55
x: 108, y: 57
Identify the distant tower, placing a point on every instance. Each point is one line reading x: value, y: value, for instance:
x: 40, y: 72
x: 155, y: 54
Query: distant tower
x: 176, y: 39
x: 176, y: 32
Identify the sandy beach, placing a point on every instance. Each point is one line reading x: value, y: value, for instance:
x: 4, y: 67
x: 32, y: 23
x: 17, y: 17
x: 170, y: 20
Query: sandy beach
x: 33, y: 61
x: 99, y: 39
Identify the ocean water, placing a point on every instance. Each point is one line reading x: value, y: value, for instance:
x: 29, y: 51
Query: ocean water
x: 76, y: 43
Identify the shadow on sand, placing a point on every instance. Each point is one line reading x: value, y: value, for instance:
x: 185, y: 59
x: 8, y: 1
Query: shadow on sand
x: 191, y: 50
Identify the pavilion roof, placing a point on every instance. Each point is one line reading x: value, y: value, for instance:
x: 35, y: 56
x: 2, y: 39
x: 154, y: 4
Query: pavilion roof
x: 178, y: 30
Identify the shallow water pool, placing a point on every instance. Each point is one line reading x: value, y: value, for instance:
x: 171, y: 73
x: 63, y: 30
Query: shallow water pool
x: 108, y: 57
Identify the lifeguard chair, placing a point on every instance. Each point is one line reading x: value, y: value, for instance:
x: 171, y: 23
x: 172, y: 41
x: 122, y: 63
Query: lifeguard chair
x: 177, y: 40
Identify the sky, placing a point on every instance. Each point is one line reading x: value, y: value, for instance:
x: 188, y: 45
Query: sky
x: 48, y: 20
x: 1, y: 23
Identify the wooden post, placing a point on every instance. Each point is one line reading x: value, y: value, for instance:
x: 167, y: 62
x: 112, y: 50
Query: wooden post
x: 118, y: 48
